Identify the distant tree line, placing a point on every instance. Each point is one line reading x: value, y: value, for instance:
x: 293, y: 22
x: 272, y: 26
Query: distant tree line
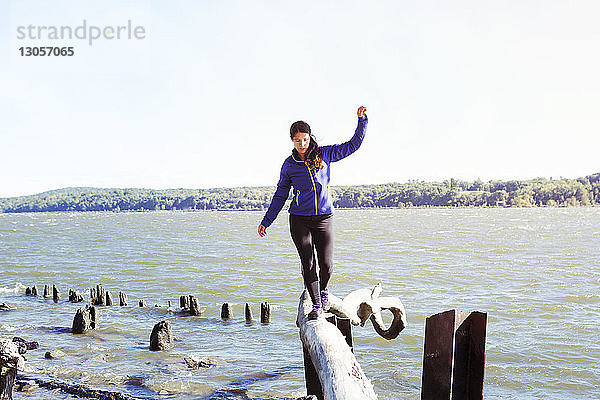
x: 450, y: 193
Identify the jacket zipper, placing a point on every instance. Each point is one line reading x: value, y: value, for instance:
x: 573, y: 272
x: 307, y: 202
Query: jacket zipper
x: 314, y: 188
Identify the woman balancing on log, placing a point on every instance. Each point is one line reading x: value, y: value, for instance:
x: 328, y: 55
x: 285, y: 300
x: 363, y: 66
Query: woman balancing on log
x: 307, y: 171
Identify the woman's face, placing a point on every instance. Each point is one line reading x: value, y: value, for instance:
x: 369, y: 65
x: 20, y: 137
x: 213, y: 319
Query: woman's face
x: 301, y: 141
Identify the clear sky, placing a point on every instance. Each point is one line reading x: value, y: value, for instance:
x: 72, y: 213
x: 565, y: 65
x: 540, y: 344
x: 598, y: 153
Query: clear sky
x: 462, y: 89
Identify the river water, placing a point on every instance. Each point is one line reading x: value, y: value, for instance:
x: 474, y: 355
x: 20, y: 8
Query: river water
x: 536, y: 272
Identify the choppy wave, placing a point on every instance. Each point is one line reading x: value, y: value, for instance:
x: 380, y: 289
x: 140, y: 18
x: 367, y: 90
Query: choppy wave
x: 18, y: 288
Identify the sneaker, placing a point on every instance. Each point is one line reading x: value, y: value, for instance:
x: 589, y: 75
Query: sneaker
x: 325, y: 300
x: 315, y: 313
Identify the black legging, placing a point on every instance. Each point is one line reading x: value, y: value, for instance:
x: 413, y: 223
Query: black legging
x: 308, y: 232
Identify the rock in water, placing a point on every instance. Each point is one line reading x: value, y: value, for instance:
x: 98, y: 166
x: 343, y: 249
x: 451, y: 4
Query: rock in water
x: 51, y: 355
x: 197, y: 364
x: 161, y: 337
x: 28, y: 345
x: 85, y: 319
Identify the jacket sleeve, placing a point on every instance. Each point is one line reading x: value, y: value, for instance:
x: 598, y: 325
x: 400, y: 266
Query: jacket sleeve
x: 337, y: 152
x: 281, y: 194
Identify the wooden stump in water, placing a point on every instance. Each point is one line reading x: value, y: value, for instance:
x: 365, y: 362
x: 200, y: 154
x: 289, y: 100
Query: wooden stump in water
x: 265, y: 313
x: 194, y: 308
x: 46, y: 291
x: 55, y: 293
x: 28, y: 291
x: 184, y: 302
x: 142, y: 303
x: 86, y: 318
x: 226, y: 311
x: 122, y: 299
x: 100, y: 296
x: 34, y: 291
x: 161, y: 337
x: 248, y: 312
x: 109, y: 299
x: 11, y: 360
x: 75, y: 296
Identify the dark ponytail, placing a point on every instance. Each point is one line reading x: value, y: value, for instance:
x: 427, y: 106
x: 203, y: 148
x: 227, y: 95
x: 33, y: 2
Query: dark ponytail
x: 313, y: 154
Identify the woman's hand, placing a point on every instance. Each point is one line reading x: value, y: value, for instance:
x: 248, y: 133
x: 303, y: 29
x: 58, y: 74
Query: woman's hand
x: 361, y: 112
x: 262, y: 231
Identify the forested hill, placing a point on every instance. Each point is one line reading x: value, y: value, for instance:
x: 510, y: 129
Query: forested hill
x: 452, y: 193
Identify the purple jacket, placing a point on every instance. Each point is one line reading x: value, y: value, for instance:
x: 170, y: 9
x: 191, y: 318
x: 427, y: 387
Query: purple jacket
x: 311, y: 188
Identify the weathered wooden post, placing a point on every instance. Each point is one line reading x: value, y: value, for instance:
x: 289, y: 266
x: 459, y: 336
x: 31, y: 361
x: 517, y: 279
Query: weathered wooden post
x: 109, y: 299
x: 100, y: 296
x: 454, y: 356
x: 226, y: 311
x: 28, y: 291
x: 46, y: 291
x: 11, y: 360
x: 142, y: 303
x: 344, y: 325
x: 184, y: 302
x: 248, y: 313
x: 74, y: 296
x: 193, y: 306
x: 122, y: 299
x: 55, y: 293
x: 34, y: 291
x: 265, y: 313
x: 93, y: 296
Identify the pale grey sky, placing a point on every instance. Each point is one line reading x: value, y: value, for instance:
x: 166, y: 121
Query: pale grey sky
x: 462, y: 89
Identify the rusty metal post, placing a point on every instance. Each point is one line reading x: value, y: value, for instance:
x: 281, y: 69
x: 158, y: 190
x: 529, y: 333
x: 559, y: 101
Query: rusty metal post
x: 454, y: 356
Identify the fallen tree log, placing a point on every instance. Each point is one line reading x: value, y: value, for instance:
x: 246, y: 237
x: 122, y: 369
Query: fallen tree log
x: 340, y: 375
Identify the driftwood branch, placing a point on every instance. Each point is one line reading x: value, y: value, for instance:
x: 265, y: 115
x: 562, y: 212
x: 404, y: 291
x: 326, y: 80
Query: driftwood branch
x: 364, y: 304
